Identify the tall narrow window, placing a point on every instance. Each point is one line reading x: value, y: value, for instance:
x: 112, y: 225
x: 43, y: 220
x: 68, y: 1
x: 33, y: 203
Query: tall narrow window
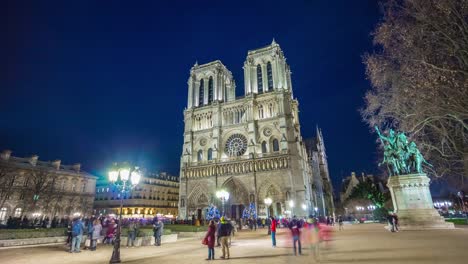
x: 275, y: 145
x: 259, y: 79
x: 210, y: 90
x: 200, y: 155
x: 264, y: 147
x: 201, y: 93
x: 210, y: 154
x: 269, y: 76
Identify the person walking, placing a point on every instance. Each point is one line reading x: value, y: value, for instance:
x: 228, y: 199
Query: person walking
x: 110, y: 233
x: 210, y: 240
x: 340, y: 222
x: 69, y: 233
x: 273, y: 231
x: 158, y: 228
x: 225, y: 233
x: 295, y: 227
x: 132, y: 232
x: 89, y: 229
x: 97, y: 229
x: 77, y: 235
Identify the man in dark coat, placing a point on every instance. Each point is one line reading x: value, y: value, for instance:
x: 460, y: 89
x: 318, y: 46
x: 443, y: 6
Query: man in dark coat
x: 158, y: 229
x: 224, y: 233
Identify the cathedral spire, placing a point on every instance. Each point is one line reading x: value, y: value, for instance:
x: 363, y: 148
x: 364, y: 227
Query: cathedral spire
x: 273, y: 42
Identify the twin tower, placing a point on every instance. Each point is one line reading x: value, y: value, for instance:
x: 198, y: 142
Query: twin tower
x: 265, y: 70
x: 249, y: 146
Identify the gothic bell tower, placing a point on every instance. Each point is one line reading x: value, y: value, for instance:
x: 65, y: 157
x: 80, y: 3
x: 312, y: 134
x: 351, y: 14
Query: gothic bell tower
x: 265, y: 70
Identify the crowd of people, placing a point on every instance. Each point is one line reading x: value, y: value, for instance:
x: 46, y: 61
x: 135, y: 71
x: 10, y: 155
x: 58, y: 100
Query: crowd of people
x: 104, y: 229
x: 309, y: 230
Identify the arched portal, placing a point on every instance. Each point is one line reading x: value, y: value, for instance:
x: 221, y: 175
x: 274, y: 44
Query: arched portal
x: 238, y: 197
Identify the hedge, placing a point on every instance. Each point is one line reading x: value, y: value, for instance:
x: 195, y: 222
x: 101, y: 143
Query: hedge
x: 31, y: 233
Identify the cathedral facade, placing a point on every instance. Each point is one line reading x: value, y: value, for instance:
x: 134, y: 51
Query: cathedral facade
x: 250, y: 146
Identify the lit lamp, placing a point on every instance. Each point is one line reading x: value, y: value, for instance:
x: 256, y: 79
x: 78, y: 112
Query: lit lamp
x: 223, y: 196
x: 304, y: 207
x: 268, y: 202
x: 125, y: 179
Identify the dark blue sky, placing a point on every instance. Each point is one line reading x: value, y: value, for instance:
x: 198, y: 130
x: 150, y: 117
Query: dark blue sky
x: 98, y: 81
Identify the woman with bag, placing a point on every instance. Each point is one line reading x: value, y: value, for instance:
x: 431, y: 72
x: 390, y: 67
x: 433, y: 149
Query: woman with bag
x: 209, y: 240
x: 97, y: 228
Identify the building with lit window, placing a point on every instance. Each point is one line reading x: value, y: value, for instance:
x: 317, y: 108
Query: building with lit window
x: 43, y: 189
x: 251, y: 146
x: 157, y: 194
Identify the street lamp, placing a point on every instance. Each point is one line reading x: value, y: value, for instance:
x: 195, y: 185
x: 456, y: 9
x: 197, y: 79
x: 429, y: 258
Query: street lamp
x: 223, y: 196
x: 316, y: 211
x: 128, y: 179
x: 268, y: 202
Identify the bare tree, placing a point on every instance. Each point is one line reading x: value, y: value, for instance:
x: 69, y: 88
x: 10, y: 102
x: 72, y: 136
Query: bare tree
x: 7, y: 182
x: 40, y: 181
x: 419, y: 80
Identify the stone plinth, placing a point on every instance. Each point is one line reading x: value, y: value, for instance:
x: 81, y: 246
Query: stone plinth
x: 412, y: 202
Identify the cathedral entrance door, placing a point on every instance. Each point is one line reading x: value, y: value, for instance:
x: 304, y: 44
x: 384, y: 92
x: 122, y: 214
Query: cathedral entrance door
x: 199, y: 214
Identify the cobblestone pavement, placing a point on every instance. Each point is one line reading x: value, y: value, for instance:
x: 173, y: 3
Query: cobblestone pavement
x: 366, y: 243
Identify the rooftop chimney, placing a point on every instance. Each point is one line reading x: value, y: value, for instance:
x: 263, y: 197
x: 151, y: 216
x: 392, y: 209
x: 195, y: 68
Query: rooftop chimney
x: 33, y: 159
x: 56, y: 164
x: 77, y: 167
x: 6, y: 154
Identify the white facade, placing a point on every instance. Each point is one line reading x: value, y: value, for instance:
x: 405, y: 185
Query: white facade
x: 250, y: 146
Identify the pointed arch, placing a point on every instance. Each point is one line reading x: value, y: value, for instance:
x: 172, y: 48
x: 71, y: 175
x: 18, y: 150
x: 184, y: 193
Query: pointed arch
x: 201, y: 93
x: 275, y: 145
x: 259, y: 79
x: 264, y: 147
x: 210, y: 89
x: 269, y: 76
x: 238, y: 191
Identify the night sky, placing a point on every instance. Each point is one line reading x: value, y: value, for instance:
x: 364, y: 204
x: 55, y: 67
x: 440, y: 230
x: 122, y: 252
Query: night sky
x: 102, y: 81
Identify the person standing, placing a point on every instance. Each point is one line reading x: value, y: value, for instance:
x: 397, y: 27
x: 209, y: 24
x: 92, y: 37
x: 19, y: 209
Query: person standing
x: 77, y: 235
x: 89, y: 229
x: 132, y: 232
x: 225, y: 233
x: 158, y: 228
x: 395, y: 222
x: 210, y: 240
x: 97, y: 228
x: 273, y: 231
x: 391, y: 222
x: 295, y: 227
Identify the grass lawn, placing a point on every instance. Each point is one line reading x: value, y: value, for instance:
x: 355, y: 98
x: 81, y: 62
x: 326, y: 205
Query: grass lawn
x: 457, y: 221
x: 186, y: 228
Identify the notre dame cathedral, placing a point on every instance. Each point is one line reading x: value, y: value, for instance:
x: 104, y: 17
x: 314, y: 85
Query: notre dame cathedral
x: 250, y: 146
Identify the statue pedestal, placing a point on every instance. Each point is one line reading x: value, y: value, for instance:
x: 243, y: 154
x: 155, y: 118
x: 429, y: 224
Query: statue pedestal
x: 412, y: 202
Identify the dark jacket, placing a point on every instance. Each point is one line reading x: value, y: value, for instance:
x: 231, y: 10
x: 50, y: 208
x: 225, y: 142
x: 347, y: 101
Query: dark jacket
x: 295, y: 227
x: 225, y: 230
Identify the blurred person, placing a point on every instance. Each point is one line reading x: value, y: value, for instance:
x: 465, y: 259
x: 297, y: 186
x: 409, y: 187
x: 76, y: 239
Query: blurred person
x: 224, y: 234
x: 295, y: 227
x: 340, y: 222
x: 132, y: 232
x: 77, y: 235
x: 158, y: 229
x: 209, y: 240
x: 97, y: 229
x: 273, y: 231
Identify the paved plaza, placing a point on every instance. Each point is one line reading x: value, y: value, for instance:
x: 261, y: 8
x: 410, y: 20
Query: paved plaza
x: 366, y: 243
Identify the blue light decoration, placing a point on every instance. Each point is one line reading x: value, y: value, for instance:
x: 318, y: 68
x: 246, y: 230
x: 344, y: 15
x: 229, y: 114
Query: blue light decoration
x: 249, y: 212
x: 213, y: 213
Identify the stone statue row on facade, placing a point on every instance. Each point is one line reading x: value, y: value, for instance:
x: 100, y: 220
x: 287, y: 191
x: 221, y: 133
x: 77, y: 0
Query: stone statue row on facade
x: 400, y: 156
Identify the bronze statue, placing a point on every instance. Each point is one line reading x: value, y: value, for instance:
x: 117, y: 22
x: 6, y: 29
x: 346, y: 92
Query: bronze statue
x: 400, y: 156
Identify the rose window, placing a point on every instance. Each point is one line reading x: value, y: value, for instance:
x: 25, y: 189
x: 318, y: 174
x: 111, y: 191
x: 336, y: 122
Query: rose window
x: 236, y: 145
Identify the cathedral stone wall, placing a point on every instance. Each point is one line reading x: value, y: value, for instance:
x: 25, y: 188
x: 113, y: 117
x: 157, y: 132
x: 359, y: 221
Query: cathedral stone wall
x: 250, y: 146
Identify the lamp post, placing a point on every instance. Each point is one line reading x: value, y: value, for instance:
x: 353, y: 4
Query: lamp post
x: 268, y: 202
x: 223, y: 196
x: 125, y: 179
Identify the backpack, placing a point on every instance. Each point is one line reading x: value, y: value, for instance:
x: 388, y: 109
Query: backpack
x: 76, y: 229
